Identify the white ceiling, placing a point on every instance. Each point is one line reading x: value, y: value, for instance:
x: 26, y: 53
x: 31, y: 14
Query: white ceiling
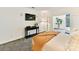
x: 55, y: 8
x: 59, y: 10
x: 45, y: 8
x: 48, y: 8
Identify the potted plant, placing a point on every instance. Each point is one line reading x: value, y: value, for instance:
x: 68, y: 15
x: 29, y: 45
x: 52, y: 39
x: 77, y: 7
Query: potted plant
x: 58, y: 22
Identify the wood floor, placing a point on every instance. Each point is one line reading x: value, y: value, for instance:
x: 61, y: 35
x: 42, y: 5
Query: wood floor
x: 17, y: 45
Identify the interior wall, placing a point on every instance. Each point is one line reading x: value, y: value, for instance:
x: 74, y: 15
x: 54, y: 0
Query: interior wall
x: 12, y: 20
x: 74, y: 14
x: 12, y: 23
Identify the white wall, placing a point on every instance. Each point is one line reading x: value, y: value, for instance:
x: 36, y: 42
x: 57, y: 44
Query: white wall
x: 74, y: 12
x: 12, y: 23
x: 12, y: 20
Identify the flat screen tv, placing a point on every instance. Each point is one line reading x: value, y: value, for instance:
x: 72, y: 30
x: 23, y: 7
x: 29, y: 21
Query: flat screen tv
x: 30, y: 17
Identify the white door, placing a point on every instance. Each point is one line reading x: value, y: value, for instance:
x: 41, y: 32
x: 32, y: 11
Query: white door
x: 42, y: 26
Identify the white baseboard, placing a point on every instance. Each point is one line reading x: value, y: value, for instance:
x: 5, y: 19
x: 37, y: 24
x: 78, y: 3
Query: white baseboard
x: 12, y: 39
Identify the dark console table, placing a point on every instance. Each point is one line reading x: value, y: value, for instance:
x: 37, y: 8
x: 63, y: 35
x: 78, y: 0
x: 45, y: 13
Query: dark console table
x: 31, y: 31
